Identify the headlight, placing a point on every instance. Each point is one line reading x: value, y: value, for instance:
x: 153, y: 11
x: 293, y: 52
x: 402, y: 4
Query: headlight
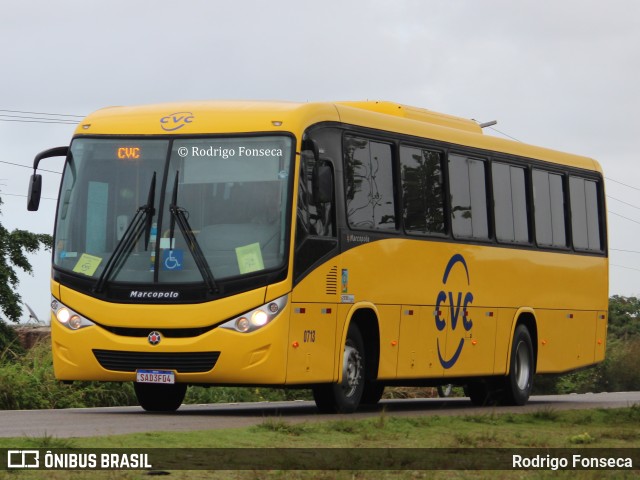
x: 256, y: 318
x: 67, y: 317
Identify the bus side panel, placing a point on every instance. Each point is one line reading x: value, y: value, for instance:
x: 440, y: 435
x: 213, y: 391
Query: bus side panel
x: 583, y: 326
x: 312, y: 333
x: 601, y: 337
x: 551, y: 350
x: 417, y: 355
x: 477, y: 343
x: 504, y: 329
x: 567, y: 339
x: 389, y: 323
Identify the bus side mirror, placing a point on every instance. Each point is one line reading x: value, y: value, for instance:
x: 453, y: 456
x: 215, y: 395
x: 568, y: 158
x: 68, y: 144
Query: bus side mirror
x: 35, y: 184
x: 322, y: 184
x: 35, y: 190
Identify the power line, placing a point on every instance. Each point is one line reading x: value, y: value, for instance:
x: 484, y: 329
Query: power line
x: 42, y: 113
x: 621, y: 183
x: 621, y: 201
x: 506, y: 135
x: 42, y: 117
x: 30, y: 168
x: 59, y: 122
x: 622, y: 266
x: 23, y: 195
x: 626, y: 251
x: 622, y: 216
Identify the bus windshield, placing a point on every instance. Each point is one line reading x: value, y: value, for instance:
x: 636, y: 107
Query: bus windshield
x: 173, y: 211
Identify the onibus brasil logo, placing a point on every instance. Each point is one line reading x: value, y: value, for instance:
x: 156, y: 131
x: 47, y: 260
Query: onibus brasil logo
x: 457, y: 307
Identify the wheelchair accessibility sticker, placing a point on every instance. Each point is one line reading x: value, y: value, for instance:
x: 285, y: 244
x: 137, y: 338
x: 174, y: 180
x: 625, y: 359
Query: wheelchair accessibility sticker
x: 172, y: 259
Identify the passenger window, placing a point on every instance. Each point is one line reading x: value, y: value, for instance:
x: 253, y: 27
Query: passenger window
x: 369, y: 184
x: 510, y: 203
x: 422, y: 191
x: 468, y: 197
x: 585, y: 222
x: 548, y: 202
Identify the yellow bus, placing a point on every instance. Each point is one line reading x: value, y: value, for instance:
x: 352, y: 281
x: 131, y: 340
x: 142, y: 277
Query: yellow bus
x: 341, y: 247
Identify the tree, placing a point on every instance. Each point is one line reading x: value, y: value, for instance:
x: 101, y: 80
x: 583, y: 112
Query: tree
x: 14, y: 246
x: 624, y: 316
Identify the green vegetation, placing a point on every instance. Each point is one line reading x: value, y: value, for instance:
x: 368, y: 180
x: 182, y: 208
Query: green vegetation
x: 13, y: 249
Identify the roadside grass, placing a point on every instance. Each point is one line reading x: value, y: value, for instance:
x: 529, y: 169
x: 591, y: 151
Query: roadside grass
x: 547, y: 428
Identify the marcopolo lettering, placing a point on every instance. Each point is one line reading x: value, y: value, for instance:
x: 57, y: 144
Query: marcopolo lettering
x: 153, y: 294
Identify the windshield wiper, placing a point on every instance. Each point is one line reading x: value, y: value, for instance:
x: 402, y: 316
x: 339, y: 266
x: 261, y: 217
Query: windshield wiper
x: 142, y: 220
x: 178, y: 215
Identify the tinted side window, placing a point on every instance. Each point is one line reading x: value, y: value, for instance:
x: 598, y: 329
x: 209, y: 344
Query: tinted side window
x: 548, y: 201
x: 593, y: 219
x: 585, y: 224
x: 422, y: 191
x: 510, y: 203
x: 468, y: 197
x: 369, y: 189
x: 557, y: 196
x: 313, y: 219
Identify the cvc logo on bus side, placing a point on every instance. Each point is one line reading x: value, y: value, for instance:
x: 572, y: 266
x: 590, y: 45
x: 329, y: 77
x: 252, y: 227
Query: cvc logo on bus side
x: 457, y: 307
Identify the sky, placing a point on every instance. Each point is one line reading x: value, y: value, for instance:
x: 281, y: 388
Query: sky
x: 562, y: 74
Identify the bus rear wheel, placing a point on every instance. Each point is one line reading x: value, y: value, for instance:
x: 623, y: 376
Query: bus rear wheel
x: 519, y: 382
x: 160, y: 398
x: 345, y: 397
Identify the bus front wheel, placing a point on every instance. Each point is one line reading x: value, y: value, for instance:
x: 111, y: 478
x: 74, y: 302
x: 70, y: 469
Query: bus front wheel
x: 160, y: 398
x: 519, y: 381
x: 345, y: 397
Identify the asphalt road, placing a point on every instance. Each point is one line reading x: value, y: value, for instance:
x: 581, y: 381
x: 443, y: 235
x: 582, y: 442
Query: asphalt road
x: 86, y: 422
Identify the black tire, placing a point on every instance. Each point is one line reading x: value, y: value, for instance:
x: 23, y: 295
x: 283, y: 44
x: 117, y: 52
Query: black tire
x: 345, y: 397
x: 519, y: 382
x: 372, y: 393
x: 160, y: 398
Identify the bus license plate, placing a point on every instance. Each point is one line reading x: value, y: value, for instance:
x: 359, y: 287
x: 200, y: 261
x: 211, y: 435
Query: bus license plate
x: 155, y: 376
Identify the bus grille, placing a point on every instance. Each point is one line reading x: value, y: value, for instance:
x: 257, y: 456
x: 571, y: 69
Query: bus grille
x: 191, y: 362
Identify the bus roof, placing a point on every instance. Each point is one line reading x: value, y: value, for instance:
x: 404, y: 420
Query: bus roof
x: 205, y: 117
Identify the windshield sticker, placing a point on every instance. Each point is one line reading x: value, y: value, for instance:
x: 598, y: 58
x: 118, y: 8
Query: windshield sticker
x: 249, y: 258
x: 167, y: 243
x: 172, y: 259
x: 87, y: 264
